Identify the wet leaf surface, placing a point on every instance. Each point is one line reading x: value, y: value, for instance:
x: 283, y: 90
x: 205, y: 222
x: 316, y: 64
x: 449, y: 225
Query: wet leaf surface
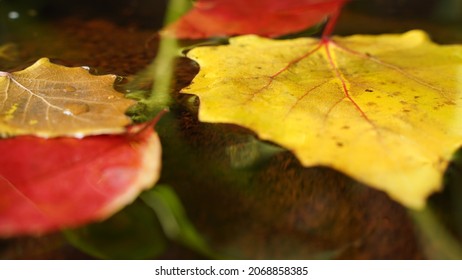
x: 52, y: 184
x: 275, y: 209
x: 368, y: 106
x: 50, y: 100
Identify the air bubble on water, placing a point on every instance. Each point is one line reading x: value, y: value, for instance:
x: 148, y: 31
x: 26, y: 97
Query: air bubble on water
x: 13, y: 15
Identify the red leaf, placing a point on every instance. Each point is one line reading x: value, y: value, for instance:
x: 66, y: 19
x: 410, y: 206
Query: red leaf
x: 269, y: 18
x: 49, y: 184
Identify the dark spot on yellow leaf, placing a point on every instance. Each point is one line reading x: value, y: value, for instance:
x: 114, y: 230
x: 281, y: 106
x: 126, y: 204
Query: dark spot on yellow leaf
x: 394, y: 94
x: 334, y: 87
x: 442, y: 162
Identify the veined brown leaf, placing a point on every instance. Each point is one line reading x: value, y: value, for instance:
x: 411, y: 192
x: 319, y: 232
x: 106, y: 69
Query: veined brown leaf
x: 50, y: 100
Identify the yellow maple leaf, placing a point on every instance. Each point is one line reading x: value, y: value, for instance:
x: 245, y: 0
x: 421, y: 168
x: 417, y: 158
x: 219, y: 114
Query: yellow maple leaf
x: 385, y: 110
x: 50, y: 100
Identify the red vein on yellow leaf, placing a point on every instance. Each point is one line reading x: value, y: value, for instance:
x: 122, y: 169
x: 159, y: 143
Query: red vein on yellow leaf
x: 326, y: 116
x: 331, y: 23
x: 303, y: 96
x: 392, y: 67
x: 275, y: 75
x: 339, y: 75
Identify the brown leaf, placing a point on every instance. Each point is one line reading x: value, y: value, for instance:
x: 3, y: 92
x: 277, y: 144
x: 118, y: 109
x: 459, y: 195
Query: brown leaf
x: 50, y: 100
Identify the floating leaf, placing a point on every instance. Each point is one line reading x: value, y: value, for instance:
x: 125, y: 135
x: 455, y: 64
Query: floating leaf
x: 271, y: 18
x: 50, y: 184
x: 386, y: 110
x: 50, y: 100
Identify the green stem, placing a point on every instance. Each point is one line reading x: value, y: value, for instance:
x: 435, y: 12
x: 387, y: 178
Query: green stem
x: 437, y: 242
x: 162, y: 68
x: 175, y: 9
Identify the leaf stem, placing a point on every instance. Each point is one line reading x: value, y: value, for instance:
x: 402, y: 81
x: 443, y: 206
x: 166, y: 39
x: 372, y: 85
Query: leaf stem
x: 437, y: 241
x: 162, y: 72
x: 175, y: 9
x: 332, y: 22
x: 162, y: 68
